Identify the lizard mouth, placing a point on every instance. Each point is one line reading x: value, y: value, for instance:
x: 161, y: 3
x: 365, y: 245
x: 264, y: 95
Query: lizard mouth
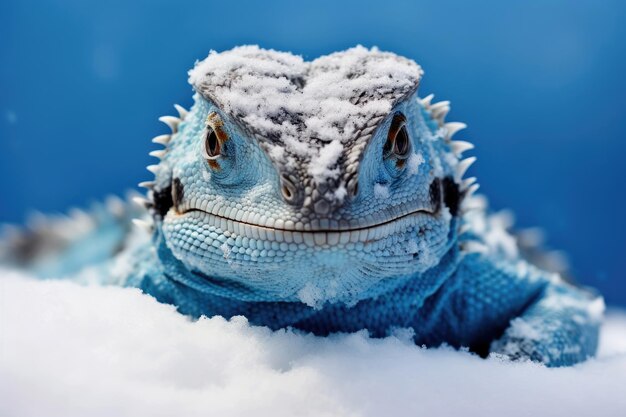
x: 415, y: 219
x: 216, y: 218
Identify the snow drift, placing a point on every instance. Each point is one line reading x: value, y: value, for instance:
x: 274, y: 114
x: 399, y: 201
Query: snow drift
x: 72, y: 350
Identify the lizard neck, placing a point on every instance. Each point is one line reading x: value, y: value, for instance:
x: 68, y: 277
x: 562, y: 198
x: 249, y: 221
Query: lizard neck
x: 197, y: 295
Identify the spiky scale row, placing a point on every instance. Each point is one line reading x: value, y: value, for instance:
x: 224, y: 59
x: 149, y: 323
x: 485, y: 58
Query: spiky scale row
x: 438, y: 112
x: 52, y: 233
x: 173, y: 123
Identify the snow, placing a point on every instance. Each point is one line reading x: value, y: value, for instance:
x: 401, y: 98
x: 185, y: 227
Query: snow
x: 71, y: 350
x: 381, y: 191
x: 327, y: 157
x: 414, y: 162
x: 311, y: 295
x: 314, y: 110
x: 522, y: 329
x: 281, y: 94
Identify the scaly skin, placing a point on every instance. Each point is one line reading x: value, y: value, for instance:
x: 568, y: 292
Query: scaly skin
x: 292, y: 218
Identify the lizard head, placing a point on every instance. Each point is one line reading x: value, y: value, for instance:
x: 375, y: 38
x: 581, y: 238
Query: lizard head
x: 317, y: 181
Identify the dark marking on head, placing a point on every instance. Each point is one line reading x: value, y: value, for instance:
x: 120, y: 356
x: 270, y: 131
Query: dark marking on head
x: 435, y: 194
x: 162, y: 200
x: 451, y: 195
x: 178, y: 192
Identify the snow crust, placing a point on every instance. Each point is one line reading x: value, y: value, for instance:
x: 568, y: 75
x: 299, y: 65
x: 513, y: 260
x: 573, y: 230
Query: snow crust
x: 303, y: 105
x: 71, y: 350
x: 282, y: 93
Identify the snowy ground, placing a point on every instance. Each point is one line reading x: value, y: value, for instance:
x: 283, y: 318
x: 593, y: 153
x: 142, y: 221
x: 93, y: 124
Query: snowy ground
x: 69, y: 350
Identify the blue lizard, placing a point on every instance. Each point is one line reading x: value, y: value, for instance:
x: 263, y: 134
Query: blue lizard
x: 328, y: 197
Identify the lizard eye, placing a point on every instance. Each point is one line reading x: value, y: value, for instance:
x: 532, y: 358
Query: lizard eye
x: 212, y: 147
x: 215, y: 138
x: 288, y: 189
x: 398, y: 143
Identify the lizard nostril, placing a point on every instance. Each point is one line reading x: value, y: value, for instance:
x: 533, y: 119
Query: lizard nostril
x: 288, y: 189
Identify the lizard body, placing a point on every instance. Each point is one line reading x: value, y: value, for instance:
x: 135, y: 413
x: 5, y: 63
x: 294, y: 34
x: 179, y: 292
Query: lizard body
x: 327, y: 196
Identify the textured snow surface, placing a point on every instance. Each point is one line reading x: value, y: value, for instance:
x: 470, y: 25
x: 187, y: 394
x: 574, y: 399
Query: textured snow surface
x: 70, y: 350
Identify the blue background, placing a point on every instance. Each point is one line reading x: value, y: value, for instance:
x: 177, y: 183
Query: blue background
x: 542, y: 85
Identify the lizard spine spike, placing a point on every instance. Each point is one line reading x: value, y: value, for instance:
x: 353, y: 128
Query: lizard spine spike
x: 471, y: 203
x: 460, y: 146
x: 142, y: 224
x: 142, y: 202
x: 453, y: 127
x: 426, y: 100
x: 162, y: 139
x: 171, y: 121
x: 147, y: 184
x: 471, y: 190
x: 182, y: 112
x: 79, y: 214
x: 153, y: 168
x: 158, y: 153
x: 440, y: 110
x: 115, y: 205
x: 468, y: 182
x: 463, y: 165
x: 473, y: 246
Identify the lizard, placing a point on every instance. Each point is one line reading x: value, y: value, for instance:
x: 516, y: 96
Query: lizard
x: 328, y: 196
